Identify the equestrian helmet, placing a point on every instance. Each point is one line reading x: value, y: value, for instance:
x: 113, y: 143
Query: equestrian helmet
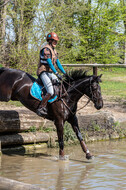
x: 52, y: 36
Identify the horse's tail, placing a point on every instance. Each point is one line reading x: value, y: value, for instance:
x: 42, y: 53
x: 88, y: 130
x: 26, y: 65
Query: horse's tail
x: 5, y: 88
x: 2, y: 69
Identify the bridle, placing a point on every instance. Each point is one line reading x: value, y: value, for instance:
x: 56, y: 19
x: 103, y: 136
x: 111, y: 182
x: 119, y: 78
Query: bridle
x: 93, y: 97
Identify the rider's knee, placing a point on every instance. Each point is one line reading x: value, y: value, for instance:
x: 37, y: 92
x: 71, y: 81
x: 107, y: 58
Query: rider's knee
x: 51, y: 92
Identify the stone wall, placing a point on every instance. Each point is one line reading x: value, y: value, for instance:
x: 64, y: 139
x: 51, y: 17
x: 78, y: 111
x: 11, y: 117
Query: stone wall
x: 101, y: 126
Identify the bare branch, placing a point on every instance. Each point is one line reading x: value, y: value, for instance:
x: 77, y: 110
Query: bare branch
x: 4, y: 4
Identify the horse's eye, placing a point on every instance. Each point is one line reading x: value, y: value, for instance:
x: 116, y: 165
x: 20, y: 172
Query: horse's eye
x: 94, y: 86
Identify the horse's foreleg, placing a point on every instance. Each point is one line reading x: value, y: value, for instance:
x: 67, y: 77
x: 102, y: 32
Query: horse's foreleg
x: 59, y: 128
x: 74, y: 123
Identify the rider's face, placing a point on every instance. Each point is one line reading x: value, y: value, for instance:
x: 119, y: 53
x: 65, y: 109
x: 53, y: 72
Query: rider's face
x: 54, y: 43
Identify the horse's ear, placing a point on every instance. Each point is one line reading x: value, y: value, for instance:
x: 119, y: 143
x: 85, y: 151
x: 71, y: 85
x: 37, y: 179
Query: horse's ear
x: 99, y: 78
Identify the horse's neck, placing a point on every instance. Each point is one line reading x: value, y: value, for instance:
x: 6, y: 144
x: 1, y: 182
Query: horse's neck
x: 78, y: 90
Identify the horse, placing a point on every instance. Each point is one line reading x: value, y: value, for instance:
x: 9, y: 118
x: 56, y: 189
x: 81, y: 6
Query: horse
x: 15, y: 85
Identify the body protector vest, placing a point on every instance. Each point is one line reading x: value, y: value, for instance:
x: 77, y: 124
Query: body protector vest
x: 45, y: 53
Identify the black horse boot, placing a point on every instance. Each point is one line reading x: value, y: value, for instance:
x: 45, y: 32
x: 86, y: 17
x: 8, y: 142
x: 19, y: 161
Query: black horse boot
x: 42, y: 110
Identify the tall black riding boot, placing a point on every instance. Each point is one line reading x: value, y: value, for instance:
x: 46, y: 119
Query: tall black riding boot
x: 42, y: 110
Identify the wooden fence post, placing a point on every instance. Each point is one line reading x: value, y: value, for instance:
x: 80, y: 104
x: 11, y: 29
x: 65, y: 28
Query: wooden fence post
x: 0, y: 148
x: 0, y: 154
x: 95, y: 70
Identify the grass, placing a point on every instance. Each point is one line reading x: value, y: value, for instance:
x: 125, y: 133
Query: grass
x: 114, y: 88
x: 114, y: 82
x: 69, y: 135
x: 13, y: 103
x: 113, y: 72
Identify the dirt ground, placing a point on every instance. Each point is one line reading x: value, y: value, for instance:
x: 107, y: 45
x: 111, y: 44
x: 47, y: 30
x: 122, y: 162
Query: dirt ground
x: 116, y: 108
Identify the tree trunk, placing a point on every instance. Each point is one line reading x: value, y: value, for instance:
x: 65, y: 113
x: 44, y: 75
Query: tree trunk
x: 12, y: 121
x: 24, y: 138
x: 3, y: 26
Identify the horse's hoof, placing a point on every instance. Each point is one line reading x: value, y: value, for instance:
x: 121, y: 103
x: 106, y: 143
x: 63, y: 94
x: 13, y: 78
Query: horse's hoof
x: 89, y: 156
x: 64, y: 158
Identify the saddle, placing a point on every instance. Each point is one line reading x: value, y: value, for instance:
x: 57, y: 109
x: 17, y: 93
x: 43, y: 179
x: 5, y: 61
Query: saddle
x: 38, y: 90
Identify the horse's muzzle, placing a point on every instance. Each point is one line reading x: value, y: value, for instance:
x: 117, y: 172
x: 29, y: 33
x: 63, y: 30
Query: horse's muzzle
x: 99, y: 105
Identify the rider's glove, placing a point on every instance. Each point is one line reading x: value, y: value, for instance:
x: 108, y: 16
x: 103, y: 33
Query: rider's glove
x: 59, y: 76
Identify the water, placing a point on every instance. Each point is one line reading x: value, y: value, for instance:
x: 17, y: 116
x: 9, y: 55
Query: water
x: 107, y: 171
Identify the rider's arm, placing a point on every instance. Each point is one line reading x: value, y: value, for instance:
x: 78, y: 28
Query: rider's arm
x: 47, y: 57
x: 49, y: 61
x: 60, y: 66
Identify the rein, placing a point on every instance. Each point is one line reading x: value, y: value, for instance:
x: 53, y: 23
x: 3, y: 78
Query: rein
x: 76, y: 90
x: 62, y: 86
x: 70, y: 109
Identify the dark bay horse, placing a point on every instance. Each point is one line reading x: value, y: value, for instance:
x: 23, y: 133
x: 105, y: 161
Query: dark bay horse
x: 15, y: 85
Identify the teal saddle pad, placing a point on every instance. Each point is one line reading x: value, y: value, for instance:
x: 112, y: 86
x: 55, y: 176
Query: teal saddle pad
x: 36, y: 92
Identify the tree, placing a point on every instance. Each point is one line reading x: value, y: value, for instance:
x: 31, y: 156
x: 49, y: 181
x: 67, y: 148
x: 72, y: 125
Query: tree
x: 123, y: 8
x: 3, y: 5
x: 87, y: 29
x: 61, y: 18
x: 22, y: 13
x: 99, y: 41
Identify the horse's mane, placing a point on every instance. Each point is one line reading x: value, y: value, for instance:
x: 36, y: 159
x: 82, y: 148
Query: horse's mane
x: 76, y: 75
x: 73, y: 76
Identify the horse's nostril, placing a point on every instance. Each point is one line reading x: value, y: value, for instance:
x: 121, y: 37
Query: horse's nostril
x: 98, y: 107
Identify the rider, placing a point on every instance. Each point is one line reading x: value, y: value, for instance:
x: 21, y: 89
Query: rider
x: 46, y: 68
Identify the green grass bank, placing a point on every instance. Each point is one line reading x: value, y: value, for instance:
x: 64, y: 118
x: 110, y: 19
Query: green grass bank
x: 113, y: 82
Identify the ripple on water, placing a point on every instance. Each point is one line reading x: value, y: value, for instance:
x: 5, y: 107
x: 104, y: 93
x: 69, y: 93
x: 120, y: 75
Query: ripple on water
x: 107, y: 170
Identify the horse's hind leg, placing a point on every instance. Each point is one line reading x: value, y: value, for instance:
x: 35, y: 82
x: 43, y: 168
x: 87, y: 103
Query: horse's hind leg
x: 74, y: 122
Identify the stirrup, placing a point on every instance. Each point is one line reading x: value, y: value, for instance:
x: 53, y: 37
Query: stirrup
x: 41, y: 111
